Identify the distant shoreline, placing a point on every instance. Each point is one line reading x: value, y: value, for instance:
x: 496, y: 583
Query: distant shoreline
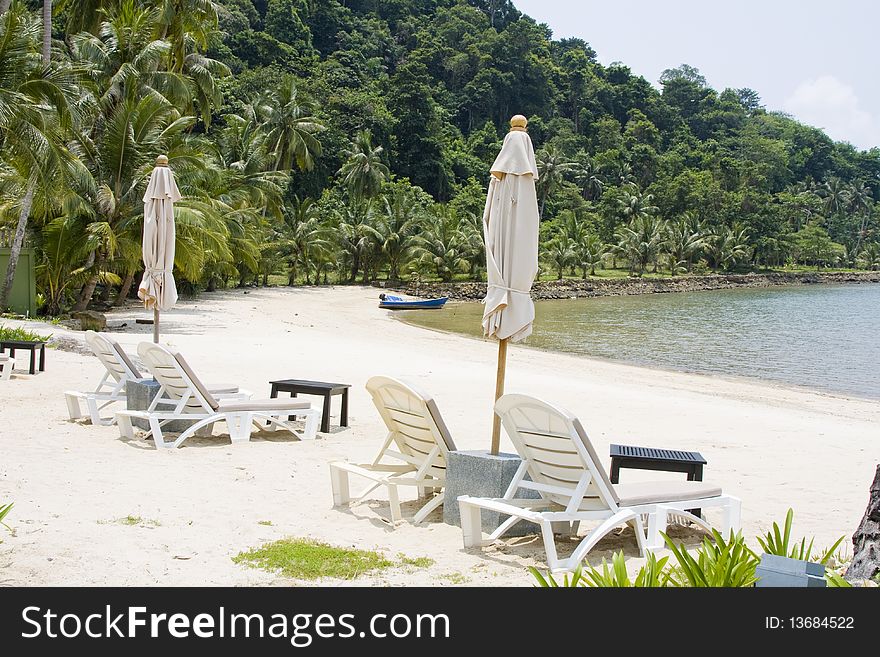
x: 596, y: 287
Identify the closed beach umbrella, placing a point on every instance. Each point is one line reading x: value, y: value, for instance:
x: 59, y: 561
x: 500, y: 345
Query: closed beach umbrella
x: 157, y: 289
x: 510, y: 229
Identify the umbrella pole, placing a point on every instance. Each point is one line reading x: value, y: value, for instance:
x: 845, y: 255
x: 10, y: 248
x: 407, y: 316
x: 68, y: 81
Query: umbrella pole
x: 499, y: 390
x: 156, y: 325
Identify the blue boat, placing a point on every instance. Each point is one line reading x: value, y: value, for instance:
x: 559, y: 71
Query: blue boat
x: 391, y: 302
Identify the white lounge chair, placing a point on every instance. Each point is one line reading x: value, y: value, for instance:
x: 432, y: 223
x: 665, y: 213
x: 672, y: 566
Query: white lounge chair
x: 182, y: 396
x: 6, y: 366
x: 422, y: 442
x: 119, y: 370
x: 573, y: 486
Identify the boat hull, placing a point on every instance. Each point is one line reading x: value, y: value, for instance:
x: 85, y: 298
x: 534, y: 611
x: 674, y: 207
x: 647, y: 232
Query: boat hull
x: 413, y: 305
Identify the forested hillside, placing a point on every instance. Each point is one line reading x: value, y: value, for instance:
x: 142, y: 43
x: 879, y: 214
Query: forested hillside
x: 321, y: 140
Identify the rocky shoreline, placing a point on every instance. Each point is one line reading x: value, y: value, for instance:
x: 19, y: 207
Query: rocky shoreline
x: 596, y: 287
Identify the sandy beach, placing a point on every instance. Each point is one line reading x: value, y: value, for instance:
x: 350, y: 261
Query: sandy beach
x: 772, y: 446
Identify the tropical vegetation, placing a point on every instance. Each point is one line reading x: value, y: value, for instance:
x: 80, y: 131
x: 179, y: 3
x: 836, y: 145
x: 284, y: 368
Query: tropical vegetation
x: 718, y: 562
x: 320, y: 141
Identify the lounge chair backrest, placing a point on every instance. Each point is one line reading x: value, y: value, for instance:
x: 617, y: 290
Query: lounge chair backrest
x: 112, y: 356
x: 556, y: 449
x: 171, y: 370
x: 414, y: 422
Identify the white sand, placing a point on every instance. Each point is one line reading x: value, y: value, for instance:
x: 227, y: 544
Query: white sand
x: 774, y: 447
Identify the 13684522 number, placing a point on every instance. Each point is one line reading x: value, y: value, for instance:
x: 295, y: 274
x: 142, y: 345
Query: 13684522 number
x: 821, y: 622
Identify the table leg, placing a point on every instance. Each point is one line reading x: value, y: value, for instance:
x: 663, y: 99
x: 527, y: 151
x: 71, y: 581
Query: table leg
x: 615, y: 471
x: 274, y: 392
x: 42, y: 358
x: 325, y: 415
x: 343, y: 420
x: 291, y: 418
x: 696, y: 474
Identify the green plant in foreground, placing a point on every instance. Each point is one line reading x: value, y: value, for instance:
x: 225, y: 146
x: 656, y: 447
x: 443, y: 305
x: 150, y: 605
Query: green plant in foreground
x: 779, y: 543
x: 548, y: 581
x: 652, y: 574
x: 4, y: 511
x: 724, y: 563
x: 308, y: 559
x: 835, y: 581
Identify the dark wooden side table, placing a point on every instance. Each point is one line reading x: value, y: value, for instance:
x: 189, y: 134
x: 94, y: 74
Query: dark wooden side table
x: 326, y: 390
x: 650, y: 458
x: 22, y: 345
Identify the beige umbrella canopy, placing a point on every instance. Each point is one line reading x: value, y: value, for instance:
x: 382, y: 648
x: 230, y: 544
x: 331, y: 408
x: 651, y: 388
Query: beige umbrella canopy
x: 510, y: 228
x: 157, y: 289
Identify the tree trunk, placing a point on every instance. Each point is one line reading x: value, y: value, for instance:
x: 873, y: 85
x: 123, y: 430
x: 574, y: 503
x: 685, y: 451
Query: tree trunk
x: 866, y: 541
x: 47, y: 31
x: 85, y: 296
x: 17, y: 243
x: 127, y: 282
x: 4, y: 6
x: 355, y: 268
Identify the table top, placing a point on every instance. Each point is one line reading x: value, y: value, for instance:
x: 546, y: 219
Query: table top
x: 22, y: 343
x: 652, y: 453
x: 288, y: 384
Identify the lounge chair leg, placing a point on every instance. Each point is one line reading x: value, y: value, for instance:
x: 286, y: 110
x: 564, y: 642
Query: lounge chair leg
x: 550, y: 547
x: 619, y: 518
x: 125, y: 429
x: 656, y: 524
x: 639, y: 528
x: 73, y: 409
x: 311, y: 429
x: 730, y: 520
x: 339, y: 481
x: 156, y: 432
x: 239, y: 425
x: 394, y: 502
x: 471, y: 524
x: 94, y: 416
x: 432, y: 504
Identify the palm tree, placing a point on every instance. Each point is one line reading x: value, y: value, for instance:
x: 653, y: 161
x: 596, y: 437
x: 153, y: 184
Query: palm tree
x: 47, y: 32
x: 635, y: 204
x: 683, y: 243
x: 184, y: 24
x: 587, y: 178
x: 396, y: 227
x: 590, y: 252
x: 836, y: 195
x: 292, y: 127
x: 304, y: 238
x: 439, y: 243
x: 364, y: 172
x: 640, y: 242
x: 38, y: 106
x: 560, y: 252
x: 869, y: 258
x: 861, y: 204
x: 552, y: 168
x: 473, y: 248
x: 358, y: 237
x: 726, y: 246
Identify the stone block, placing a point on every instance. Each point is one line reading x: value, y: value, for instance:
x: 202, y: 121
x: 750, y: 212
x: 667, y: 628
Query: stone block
x: 776, y: 571
x: 138, y: 397
x: 480, y: 474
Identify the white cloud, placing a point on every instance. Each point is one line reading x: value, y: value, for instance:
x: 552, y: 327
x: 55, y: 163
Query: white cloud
x: 832, y: 105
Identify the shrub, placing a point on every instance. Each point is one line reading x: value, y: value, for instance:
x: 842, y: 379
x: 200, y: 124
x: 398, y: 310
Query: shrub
x: 779, y: 543
x: 722, y: 563
x: 21, y: 334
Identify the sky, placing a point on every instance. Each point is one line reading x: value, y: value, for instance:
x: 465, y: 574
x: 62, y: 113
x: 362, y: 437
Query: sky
x: 814, y: 60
